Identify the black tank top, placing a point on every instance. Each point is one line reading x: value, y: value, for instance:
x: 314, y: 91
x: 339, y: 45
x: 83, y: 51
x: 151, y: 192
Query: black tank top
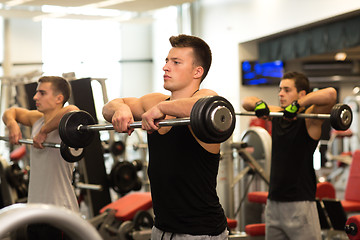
x: 183, y: 184
x: 292, y: 175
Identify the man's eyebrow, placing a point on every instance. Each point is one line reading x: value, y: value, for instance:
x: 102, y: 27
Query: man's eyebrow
x: 174, y: 59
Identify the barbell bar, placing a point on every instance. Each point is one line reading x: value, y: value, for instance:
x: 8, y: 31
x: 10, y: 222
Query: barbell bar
x: 108, y: 127
x: 67, y: 153
x: 340, y: 117
x: 88, y: 186
x: 212, y: 120
x: 281, y: 114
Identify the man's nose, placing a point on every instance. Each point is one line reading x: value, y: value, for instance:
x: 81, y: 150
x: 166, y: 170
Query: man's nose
x: 166, y: 68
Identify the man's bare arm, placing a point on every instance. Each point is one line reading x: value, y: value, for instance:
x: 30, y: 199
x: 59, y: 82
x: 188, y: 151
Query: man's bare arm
x: 20, y: 115
x: 322, y: 100
x: 182, y: 107
x: 123, y: 111
x: 249, y: 103
x: 51, y: 125
x: 12, y: 117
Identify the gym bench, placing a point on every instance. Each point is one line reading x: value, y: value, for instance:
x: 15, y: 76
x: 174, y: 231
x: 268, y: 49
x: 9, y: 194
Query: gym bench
x: 127, y: 216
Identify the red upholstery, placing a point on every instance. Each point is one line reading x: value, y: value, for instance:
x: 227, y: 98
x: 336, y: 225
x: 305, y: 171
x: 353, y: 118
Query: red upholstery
x: 257, y: 229
x: 351, y: 203
x: 257, y: 197
x: 18, y: 153
x: 127, y: 206
x: 351, y: 206
x: 325, y: 190
x: 258, y: 122
x: 354, y: 220
x: 232, y: 223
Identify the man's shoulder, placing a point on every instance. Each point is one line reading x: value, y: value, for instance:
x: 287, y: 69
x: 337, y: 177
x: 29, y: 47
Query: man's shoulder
x: 154, y: 97
x: 149, y: 100
x: 34, y: 116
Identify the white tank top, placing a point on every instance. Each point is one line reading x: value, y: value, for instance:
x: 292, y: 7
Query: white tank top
x: 50, y: 180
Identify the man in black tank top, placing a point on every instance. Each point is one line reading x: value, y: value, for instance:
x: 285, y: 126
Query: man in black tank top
x: 182, y: 169
x: 291, y: 211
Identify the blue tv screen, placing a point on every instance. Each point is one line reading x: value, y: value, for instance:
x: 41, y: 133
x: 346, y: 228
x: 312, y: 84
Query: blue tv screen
x: 255, y: 73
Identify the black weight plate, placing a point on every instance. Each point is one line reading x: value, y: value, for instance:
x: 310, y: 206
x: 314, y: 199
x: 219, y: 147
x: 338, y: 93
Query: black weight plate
x: 68, y: 129
x: 15, y: 177
x: 125, y: 230
x: 123, y: 177
x: 143, y: 219
x: 341, y: 117
x: 197, y: 121
x: 138, y: 184
x: 117, y: 148
x: 202, y: 114
x: 71, y: 154
x: 138, y: 164
x: 221, y: 125
x: 201, y: 121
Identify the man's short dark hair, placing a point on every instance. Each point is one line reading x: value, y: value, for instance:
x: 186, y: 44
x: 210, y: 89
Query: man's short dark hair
x: 59, y: 85
x: 301, y: 80
x: 202, y: 52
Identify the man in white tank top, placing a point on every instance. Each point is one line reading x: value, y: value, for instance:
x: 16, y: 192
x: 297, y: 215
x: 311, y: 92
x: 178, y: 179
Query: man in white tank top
x: 51, y: 176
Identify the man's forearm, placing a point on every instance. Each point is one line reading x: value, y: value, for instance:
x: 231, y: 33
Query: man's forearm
x: 321, y: 97
x: 249, y: 103
x: 9, y: 117
x: 53, y: 123
x: 178, y: 108
x: 110, y: 108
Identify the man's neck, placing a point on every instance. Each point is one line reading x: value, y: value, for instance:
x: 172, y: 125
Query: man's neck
x: 184, y: 93
x: 50, y: 114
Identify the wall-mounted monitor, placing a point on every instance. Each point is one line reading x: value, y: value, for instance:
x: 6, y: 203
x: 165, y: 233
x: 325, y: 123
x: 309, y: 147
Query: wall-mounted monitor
x: 255, y: 73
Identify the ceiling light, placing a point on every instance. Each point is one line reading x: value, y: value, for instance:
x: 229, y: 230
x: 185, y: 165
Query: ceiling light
x: 106, y: 3
x: 16, y: 2
x: 340, y: 56
x: 50, y: 15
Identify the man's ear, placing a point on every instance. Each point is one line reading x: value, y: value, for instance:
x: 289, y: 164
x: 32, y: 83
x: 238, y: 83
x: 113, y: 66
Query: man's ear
x: 302, y: 93
x: 59, y: 98
x: 199, y: 71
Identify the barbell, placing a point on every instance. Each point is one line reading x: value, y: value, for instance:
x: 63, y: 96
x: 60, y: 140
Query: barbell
x: 340, y: 116
x: 212, y: 120
x: 67, y: 153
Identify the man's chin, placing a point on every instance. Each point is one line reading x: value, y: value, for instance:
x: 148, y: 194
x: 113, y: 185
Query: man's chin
x: 167, y: 88
x: 283, y: 105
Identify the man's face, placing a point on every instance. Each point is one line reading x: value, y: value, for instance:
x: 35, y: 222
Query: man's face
x: 45, y: 98
x: 179, y: 68
x: 287, y: 92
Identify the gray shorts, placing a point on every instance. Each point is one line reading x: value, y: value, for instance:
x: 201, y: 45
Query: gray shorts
x: 292, y: 220
x: 157, y: 234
